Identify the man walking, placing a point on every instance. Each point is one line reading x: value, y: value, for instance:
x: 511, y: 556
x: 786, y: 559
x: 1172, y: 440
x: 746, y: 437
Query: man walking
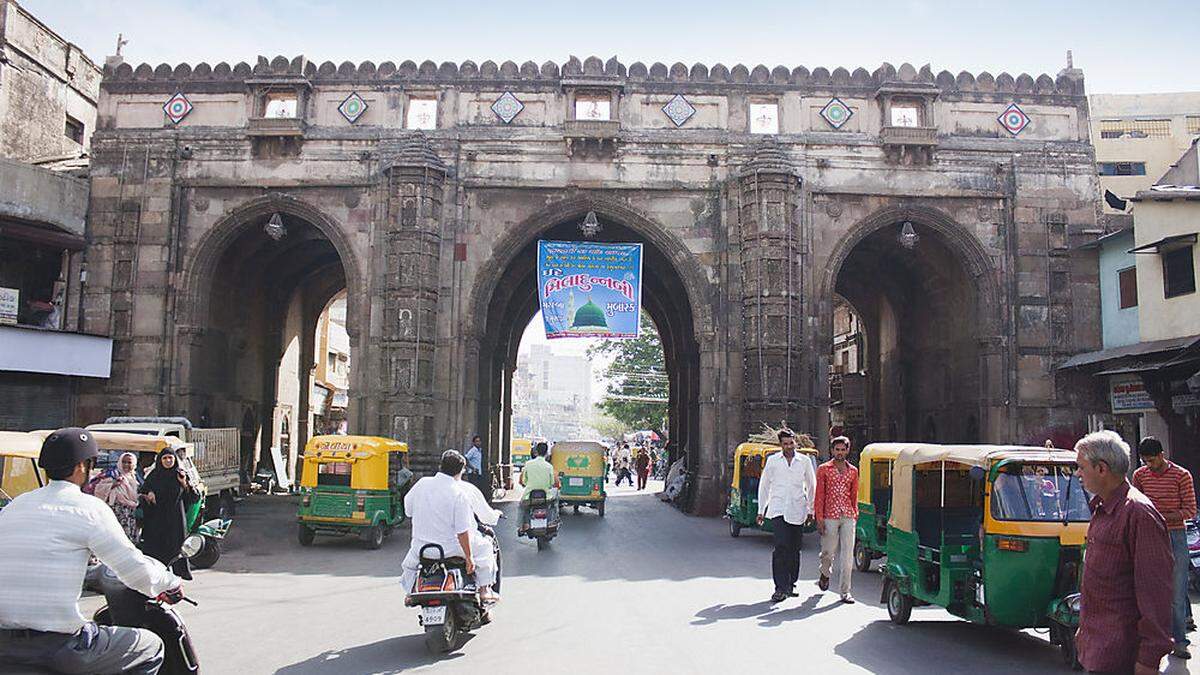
x: 474, y: 473
x: 643, y: 468
x: 836, y: 511
x: 785, y: 497
x: 1125, y: 603
x: 1169, y: 487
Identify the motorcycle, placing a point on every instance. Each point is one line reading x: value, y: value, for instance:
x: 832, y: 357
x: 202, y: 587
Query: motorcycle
x: 1193, y: 542
x: 449, y: 600
x: 542, y: 520
x: 127, y: 607
x: 211, y: 533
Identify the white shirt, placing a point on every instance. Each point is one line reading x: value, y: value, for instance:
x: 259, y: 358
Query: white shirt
x: 786, y: 489
x: 440, y: 512
x: 46, y: 536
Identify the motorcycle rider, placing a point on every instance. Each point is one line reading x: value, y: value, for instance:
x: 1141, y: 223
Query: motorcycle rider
x: 483, y: 545
x: 441, y: 514
x: 48, y: 535
x: 538, y: 474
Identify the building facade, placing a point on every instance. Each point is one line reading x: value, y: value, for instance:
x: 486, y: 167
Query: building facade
x: 943, y: 207
x: 553, y: 391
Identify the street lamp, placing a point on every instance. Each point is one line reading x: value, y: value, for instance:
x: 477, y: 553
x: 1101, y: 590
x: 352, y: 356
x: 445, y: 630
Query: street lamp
x: 275, y: 228
x: 908, y: 236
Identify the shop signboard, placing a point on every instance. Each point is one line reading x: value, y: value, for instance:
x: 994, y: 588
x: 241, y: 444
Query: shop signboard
x: 10, y: 300
x: 1128, y: 395
x: 590, y: 289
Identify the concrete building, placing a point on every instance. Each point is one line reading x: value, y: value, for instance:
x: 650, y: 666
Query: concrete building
x: 554, y: 392
x: 942, y: 207
x: 1139, y: 136
x: 48, y: 92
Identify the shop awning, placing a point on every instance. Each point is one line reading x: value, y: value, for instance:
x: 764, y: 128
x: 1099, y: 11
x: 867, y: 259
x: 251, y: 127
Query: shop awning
x: 1165, y: 244
x: 1138, y: 352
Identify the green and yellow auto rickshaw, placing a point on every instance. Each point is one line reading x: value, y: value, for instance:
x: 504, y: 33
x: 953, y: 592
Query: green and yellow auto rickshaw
x: 580, y: 467
x: 874, y: 502
x: 19, y: 472
x: 993, y: 534
x: 519, y: 451
x: 748, y: 462
x: 353, y: 485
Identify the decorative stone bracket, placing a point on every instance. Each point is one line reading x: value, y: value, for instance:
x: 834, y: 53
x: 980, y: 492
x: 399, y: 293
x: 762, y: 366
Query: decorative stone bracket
x: 595, y: 138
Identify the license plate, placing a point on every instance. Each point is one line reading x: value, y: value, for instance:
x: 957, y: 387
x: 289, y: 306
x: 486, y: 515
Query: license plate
x: 433, y: 616
x: 538, y: 522
x: 575, y: 482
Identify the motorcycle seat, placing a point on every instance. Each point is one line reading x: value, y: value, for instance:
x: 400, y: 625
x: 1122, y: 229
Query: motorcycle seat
x: 453, y: 561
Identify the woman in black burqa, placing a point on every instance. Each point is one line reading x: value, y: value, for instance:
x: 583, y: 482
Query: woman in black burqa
x: 165, y: 495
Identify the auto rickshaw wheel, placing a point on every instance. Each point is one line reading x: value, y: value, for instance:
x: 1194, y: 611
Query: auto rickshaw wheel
x: 735, y: 528
x: 862, y: 557
x: 1070, y: 656
x: 208, y: 555
x: 601, y: 509
x: 373, y: 539
x: 305, y: 535
x: 899, y: 604
x: 576, y: 508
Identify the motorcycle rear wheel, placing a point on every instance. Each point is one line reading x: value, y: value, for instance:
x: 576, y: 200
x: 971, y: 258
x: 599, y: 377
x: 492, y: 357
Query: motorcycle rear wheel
x: 444, y: 638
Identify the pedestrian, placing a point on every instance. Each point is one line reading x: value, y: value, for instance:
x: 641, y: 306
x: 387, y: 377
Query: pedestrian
x: 474, y: 474
x: 785, y: 497
x: 836, y: 512
x: 49, y: 534
x: 1125, y: 603
x: 166, y: 494
x: 1169, y: 487
x: 643, y: 468
x: 119, y: 489
x: 624, y: 472
x: 184, y: 460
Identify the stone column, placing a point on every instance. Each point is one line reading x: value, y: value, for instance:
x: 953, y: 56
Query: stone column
x: 414, y: 178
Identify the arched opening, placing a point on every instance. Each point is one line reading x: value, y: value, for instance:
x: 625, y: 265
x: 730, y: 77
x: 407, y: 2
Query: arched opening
x: 264, y: 295
x: 512, y: 302
x: 908, y: 315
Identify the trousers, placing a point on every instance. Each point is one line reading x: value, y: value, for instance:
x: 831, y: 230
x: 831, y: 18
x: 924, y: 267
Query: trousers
x: 98, y: 650
x: 1180, y: 600
x: 837, y: 543
x: 785, y: 560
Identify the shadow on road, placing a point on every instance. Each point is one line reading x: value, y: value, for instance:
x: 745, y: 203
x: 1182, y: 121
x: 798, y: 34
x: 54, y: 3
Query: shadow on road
x: 883, y: 647
x: 378, y: 657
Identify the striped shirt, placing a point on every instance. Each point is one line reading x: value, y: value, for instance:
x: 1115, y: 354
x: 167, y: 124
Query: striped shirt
x: 46, y: 537
x: 1171, y: 491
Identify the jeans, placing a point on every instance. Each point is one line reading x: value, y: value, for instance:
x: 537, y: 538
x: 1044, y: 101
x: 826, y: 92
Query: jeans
x: 838, y: 541
x: 1181, y: 601
x: 785, y: 560
x: 93, y: 650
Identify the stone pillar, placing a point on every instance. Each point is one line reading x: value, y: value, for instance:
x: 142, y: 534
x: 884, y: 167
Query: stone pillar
x: 413, y: 178
x: 767, y: 198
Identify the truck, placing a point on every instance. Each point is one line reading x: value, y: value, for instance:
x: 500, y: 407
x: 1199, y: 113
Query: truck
x: 217, y: 452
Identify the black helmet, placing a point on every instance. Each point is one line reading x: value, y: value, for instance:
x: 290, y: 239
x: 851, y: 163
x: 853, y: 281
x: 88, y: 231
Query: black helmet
x: 66, y: 448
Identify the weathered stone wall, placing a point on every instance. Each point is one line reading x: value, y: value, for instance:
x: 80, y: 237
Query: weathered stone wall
x: 752, y: 231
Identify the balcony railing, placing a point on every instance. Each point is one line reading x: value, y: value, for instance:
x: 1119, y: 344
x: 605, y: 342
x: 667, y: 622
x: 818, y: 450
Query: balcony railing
x: 275, y: 126
x: 592, y: 129
x: 923, y: 136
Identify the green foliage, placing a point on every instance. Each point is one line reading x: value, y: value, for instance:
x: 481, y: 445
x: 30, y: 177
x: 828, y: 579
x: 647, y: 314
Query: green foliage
x: 638, y: 372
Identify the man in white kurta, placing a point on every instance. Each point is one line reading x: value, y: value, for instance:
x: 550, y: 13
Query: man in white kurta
x: 786, y: 491
x: 441, y: 514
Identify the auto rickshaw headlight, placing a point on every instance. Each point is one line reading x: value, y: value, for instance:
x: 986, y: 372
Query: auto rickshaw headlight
x: 1073, y: 602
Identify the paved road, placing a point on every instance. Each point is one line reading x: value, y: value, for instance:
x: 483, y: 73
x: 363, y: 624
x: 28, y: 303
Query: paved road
x: 646, y: 589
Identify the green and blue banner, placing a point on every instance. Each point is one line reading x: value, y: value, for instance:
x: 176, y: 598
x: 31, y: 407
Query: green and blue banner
x: 588, y: 289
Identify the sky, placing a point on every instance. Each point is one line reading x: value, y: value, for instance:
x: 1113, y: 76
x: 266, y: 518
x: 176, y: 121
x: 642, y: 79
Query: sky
x: 1122, y: 47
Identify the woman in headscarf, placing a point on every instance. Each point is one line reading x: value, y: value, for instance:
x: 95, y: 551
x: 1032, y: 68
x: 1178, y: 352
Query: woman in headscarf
x: 166, y: 493
x: 119, y: 489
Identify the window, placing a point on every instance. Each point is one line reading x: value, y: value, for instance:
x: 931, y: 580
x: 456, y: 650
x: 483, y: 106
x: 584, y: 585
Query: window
x: 906, y: 114
x: 74, y: 130
x: 1039, y: 492
x: 764, y: 118
x: 331, y: 362
x: 593, y: 107
x: 1135, y: 128
x: 1122, y: 169
x: 1127, y: 283
x: 422, y: 113
x: 1193, y: 124
x: 279, y: 104
x: 1179, y: 272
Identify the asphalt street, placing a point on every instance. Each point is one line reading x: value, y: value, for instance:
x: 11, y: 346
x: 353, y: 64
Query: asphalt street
x: 646, y: 589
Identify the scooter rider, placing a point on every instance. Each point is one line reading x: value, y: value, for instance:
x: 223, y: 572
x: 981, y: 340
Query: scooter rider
x: 47, y: 536
x: 538, y: 474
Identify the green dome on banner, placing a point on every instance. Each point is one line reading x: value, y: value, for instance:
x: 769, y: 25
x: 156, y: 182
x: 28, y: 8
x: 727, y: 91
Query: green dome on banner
x: 589, y: 315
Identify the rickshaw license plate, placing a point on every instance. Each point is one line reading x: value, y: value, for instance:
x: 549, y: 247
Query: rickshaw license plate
x: 538, y: 522
x: 433, y: 616
x: 575, y: 482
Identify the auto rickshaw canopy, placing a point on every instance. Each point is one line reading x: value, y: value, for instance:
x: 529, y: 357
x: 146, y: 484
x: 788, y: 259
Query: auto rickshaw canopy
x: 365, y: 458
x: 762, y: 451
x: 19, y: 473
x: 961, y: 456
x: 578, y: 458
x: 874, y: 452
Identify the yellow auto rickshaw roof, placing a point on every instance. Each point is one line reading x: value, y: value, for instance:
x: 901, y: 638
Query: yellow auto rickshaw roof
x: 355, y: 444
x: 20, y: 444
x: 118, y: 440
x: 883, y: 450
x: 578, y: 446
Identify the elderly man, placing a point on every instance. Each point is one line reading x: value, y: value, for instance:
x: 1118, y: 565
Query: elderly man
x: 786, y: 491
x: 441, y: 514
x: 1125, y: 609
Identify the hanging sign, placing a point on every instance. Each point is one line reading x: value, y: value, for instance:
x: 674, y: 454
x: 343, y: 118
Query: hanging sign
x: 588, y: 289
x: 1128, y: 395
x: 10, y: 301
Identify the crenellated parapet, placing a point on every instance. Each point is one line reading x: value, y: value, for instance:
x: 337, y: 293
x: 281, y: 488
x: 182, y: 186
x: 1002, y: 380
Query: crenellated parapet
x: 468, y: 73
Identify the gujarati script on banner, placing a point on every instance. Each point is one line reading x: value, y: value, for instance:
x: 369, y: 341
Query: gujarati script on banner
x: 588, y: 289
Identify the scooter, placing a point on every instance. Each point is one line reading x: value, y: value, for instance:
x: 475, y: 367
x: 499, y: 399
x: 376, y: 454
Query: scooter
x: 448, y: 598
x: 542, y: 522
x: 1193, y: 542
x: 211, y: 532
x: 127, y: 607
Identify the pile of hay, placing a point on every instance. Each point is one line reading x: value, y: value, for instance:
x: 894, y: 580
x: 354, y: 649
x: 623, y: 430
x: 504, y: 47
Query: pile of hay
x: 770, y: 435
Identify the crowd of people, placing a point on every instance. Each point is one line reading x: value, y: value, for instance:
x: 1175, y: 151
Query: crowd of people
x: 643, y: 460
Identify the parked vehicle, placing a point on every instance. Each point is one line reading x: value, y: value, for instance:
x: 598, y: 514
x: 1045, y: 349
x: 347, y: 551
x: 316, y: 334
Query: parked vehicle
x: 580, y: 466
x: 19, y: 472
x: 1193, y: 541
x: 449, y: 601
x: 993, y: 534
x: 353, y: 485
x: 874, y: 502
x: 519, y: 451
x: 748, y: 462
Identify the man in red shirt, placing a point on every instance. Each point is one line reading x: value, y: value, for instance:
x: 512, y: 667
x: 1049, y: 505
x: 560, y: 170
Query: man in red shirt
x: 1125, y: 605
x: 836, y: 511
x: 1169, y: 487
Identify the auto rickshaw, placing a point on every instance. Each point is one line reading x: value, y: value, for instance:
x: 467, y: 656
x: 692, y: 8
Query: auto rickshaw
x: 748, y: 462
x: 874, y: 502
x: 993, y: 534
x: 19, y: 472
x: 519, y: 451
x: 353, y: 485
x: 580, y: 466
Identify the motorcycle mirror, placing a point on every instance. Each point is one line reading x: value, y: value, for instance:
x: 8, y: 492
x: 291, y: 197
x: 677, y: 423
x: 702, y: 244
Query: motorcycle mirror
x: 192, y: 545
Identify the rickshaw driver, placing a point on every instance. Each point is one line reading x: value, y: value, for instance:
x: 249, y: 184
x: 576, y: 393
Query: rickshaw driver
x: 441, y: 514
x: 538, y: 474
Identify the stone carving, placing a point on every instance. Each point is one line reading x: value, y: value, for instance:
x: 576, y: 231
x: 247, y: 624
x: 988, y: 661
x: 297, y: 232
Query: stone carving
x: 836, y: 113
x: 507, y: 107
x: 353, y: 107
x: 678, y: 110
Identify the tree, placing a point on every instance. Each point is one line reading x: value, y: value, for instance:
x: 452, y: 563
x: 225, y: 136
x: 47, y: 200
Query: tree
x: 608, y: 426
x: 637, y: 379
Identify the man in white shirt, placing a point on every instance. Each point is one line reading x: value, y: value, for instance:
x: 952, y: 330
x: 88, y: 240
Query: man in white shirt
x: 785, y: 497
x: 483, y: 547
x: 441, y: 514
x: 46, y: 538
